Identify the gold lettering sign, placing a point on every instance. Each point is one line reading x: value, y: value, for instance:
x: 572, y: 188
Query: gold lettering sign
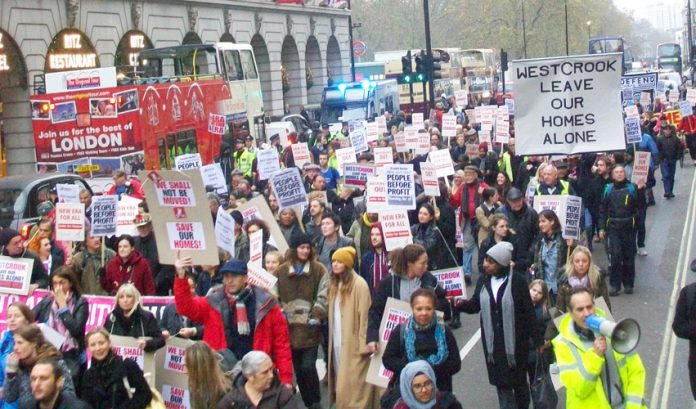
x: 71, y: 50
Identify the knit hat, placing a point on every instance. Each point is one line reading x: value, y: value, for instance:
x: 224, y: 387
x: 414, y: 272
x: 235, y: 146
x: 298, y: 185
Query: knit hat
x: 237, y: 216
x: 345, y: 255
x: 234, y: 267
x: 299, y: 239
x: 6, y: 235
x: 501, y: 253
x: 484, y: 146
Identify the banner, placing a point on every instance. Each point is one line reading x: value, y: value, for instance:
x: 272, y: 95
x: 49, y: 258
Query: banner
x: 68, y: 193
x: 641, y: 167
x: 401, y: 187
x: 637, y: 85
x: 300, y: 153
x: 431, y: 187
x: 224, y: 230
x: 288, y: 188
x: 442, y: 159
x: 126, y: 210
x: 452, y: 280
x: 673, y: 117
x: 267, y: 163
x: 188, y: 161
x: 70, y: 221
x: 395, y: 313
x: 212, y: 176
x: 568, y: 105
x: 181, y: 219
x: 356, y: 174
x: 15, y: 275
x: 396, y: 228
x: 376, y: 194
x: 633, y: 132
x: 104, y: 210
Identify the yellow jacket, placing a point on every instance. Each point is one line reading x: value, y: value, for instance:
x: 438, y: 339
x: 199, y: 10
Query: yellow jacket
x: 581, y: 370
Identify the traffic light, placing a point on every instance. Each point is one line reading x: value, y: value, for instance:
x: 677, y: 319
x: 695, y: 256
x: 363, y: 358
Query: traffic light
x: 436, y: 66
x: 406, y: 73
x: 420, y: 67
x: 503, y: 60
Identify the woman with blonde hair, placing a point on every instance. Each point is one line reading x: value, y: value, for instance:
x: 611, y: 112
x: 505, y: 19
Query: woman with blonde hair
x: 580, y: 271
x: 207, y: 383
x: 349, y: 357
x: 129, y: 319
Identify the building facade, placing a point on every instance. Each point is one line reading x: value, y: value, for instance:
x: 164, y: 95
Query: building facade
x: 299, y: 48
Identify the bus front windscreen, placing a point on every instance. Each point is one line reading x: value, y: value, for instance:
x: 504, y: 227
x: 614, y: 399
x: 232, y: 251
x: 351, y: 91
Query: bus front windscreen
x: 669, y: 50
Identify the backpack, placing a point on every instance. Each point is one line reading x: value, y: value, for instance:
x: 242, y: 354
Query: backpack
x: 609, y: 187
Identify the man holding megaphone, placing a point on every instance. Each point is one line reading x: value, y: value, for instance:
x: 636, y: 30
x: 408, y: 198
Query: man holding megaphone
x: 593, y: 372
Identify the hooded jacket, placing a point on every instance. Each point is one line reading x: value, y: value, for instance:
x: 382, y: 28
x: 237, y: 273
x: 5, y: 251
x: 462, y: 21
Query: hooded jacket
x: 106, y: 389
x: 275, y: 397
x: 133, y: 269
x: 271, y: 334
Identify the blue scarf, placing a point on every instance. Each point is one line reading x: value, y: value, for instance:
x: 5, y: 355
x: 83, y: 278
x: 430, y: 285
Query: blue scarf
x: 410, y: 341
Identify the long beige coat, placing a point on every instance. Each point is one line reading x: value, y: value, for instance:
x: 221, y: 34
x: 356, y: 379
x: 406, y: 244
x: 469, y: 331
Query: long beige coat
x: 348, y: 388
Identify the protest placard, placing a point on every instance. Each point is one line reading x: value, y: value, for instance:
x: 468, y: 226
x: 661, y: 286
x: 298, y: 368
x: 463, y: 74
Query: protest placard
x: 429, y: 179
x: 563, y: 206
x: 260, y: 277
x: 510, y: 103
x: 384, y: 155
x: 458, y: 228
x: 396, y: 228
x: 470, y: 115
x: 423, y: 146
x: 401, y: 187
x: 452, y: 280
x: 641, y: 167
x: 449, y: 125
x: 212, y: 176
x: 417, y: 120
x: 267, y: 162
x: 371, y: 131
x: 636, y: 85
x: 356, y: 174
x: 176, y: 397
x: 171, y: 377
x: 216, y: 124
x: 15, y: 275
x: 691, y: 95
x: 411, y: 137
x: 568, y: 105
x: 180, y: 226
x: 442, y: 159
x: 188, y: 161
x: 256, y: 249
x: 344, y: 156
x: 127, y: 348
x: 673, y: 96
x: 224, y: 230
x: 376, y: 194
x: 633, y: 133
x: 68, y: 193
x: 673, y: 117
x: 381, y: 125
x: 300, y: 153
x: 70, y: 221
x: 685, y: 108
x: 461, y: 98
x: 502, y: 131
x: 358, y: 141
x: 632, y: 111
x: 400, y: 142
x: 257, y: 208
x: 395, y: 313
x: 104, y: 210
x: 126, y: 210
x: 288, y: 188
x: 645, y: 98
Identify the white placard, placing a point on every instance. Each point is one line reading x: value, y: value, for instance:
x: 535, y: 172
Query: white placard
x: 429, y: 179
x: 212, y: 176
x: 585, y: 88
x: 288, y: 188
x: 256, y: 249
x: 502, y: 131
x: 685, y: 108
x: 566, y: 207
x: 417, y: 120
x: 174, y: 358
x: 401, y: 187
x: 186, y: 236
x: 358, y: 141
x: 356, y: 174
x: 175, y: 397
x: 300, y: 153
x: 381, y: 125
x: 423, y: 146
x: 462, y: 98
x: 15, y: 275
x: 267, y: 163
x: 384, y: 155
x: 224, y: 230
x: 641, y: 168
x: 188, y: 161
x: 632, y: 111
x: 261, y: 278
x: 104, y: 211
x: 70, y: 221
x: 376, y: 195
x: 371, y: 131
x: 691, y: 95
x: 633, y: 133
x: 397, y: 230
x: 68, y: 193
x: 344, y: 156
x: 175, y: 193
x: 510, y: 103
x: 442, y: 159
x: 452, y: 281
x: 126, y: 211
x: 449, y: 125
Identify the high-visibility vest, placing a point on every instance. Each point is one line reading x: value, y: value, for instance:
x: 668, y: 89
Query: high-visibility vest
x: 244, y: 162
x: 565, y: 188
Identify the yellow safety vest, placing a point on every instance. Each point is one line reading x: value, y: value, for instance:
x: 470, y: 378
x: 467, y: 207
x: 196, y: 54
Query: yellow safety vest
x: 565, y: 188
x: 581, y: 370
x: 244, y: 162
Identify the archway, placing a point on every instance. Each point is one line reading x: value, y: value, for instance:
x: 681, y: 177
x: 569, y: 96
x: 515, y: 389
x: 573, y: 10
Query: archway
x: 263, y: 64
x: 133, y: 42
x: 70, y: 49
x: 314, y: 72
x: 334, y: 71
x: 191, y: 38
x: 16, y: 141
x: 227, y: 38
x: 291, y: 75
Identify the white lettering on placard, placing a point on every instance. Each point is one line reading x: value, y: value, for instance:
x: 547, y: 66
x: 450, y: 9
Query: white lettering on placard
x: 72, y: 41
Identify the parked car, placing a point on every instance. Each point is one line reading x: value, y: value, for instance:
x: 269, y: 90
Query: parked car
x: 20, y: 195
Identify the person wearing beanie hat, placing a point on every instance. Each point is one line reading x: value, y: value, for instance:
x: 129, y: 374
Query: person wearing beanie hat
x: 486, y: 163
x: 12, y: 245
x: 302, y: 295
x: 507, y: 317
x: 237, y: 317
x: 349, y: 303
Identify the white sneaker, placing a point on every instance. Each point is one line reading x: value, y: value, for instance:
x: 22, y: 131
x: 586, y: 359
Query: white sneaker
x: 642, y: 252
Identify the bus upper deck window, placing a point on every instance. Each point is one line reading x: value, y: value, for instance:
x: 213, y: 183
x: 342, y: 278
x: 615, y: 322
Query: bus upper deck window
x: 248, y: 64
x: 233, y: 65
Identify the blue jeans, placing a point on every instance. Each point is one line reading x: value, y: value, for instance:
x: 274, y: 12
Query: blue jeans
x: 668, y: 167
x: 468, y: 249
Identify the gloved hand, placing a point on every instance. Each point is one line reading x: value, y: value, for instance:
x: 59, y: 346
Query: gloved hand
x: 12, y: 364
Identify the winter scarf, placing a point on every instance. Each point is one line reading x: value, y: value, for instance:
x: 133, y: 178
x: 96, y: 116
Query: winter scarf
x: 57, y: 324
x: 508, y: 321
x: 410, y: 341
x: 409, y: 372
x: 241, y: 319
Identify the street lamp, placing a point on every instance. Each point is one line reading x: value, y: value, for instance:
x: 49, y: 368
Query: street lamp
x: 589, y: 29
x: 524, y: 32
x: 566, y: 27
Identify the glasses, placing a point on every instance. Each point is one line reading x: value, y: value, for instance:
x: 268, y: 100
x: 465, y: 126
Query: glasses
x: 422, y: 386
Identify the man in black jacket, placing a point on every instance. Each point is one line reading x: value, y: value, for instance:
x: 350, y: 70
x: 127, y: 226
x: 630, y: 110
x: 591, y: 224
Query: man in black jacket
x: 12, y: 245
x: 524, y: 222
x: 684, y: 324
x: 670, y: 150
x: 146, y: 244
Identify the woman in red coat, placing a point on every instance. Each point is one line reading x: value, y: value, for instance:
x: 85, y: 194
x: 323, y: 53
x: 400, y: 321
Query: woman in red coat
x: 129, y: 267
